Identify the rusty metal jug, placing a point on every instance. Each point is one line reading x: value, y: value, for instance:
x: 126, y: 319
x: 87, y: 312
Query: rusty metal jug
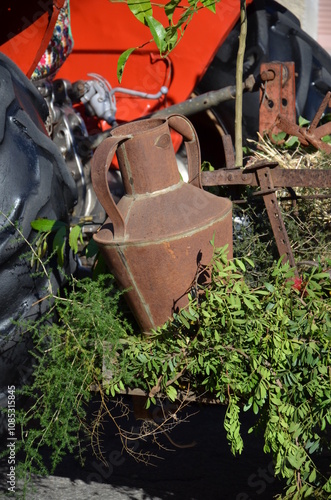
x: 159, y: 232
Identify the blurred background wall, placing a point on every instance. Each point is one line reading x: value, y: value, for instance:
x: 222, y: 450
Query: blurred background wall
x: 315, y: 18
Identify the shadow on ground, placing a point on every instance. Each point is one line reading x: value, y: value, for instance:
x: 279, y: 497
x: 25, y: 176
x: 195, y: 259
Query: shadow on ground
x: 206, y: 471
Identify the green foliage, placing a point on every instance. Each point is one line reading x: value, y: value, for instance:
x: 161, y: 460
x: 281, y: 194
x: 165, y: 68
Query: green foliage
x: 59, y: 231
x: 166, y: 36
x: 266, y: 348
x: 68, y: 363
x: 262, y: 348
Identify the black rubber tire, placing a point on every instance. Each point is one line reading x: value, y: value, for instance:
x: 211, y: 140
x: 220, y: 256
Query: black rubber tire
x: 35, y: 182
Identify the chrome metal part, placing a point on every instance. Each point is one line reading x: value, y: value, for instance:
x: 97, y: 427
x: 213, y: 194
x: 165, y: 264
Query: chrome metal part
x: 68, y: 131
x: 99, y: 99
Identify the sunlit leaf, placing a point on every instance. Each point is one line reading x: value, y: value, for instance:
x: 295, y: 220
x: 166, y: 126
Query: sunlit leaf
x: 158, y: 32
x: 209, y: 4
x: 140, y: 9
x: 75, y: 235
x: 122, y: 60
x: 47, y: 225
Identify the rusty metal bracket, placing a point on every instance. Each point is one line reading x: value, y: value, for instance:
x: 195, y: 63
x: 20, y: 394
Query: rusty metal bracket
x: 230, y: 161
x: 269, y: 176
x: 277, y: 108
x: 281, y: 177
x: 277, y: 95
x: 307, y: 135
x: 267, y: 191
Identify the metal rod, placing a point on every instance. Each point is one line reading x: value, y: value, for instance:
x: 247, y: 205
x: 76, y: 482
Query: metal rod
x: 199, y: 103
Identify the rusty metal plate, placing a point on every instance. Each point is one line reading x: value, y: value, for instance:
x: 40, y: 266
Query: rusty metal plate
x: 277, y: 95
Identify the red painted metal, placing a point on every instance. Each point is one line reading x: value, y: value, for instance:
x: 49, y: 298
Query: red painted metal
x: 29, y: 31
x: 23, y: 47
x: 102, y: 32
x: 156, y: 240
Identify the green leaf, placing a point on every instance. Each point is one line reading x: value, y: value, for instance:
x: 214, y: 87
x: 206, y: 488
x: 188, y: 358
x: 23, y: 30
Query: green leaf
x: 140, y: 9
x: 158, y: 32
x: 296, y: 460
x: 293, y: 140
x: 312, y: 476
x: 122, y: 60
x: 303, y: 121
x: 321, y: 275
x: 240, y: 264
x: 171, y: 393
x: 74, y: 235
x: 249, y: 261
x: 170, y: 8
x: 171, y: 38
x: 184, y: 321
x: 255, y: 408
x: 279, y: 137
x: 269, y: 287
x: 309, y: 492
x: 209, y: 4
x: 326, y: 138
x: 91, y: 249
x: 59, y: 244
x: 248, y: 303
x: 47, y: 225
x: 212, y: 241
x: 327, y: 486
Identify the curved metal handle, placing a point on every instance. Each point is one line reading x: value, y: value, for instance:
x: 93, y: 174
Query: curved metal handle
x: 101, y: 161
x: 184, y: 127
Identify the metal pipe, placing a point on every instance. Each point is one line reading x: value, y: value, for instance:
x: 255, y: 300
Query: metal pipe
x: 200, y: 103
x: 205, y: 101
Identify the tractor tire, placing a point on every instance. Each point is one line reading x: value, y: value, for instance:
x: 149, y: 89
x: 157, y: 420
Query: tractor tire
x: 274, y: 34
x: 35, y: 183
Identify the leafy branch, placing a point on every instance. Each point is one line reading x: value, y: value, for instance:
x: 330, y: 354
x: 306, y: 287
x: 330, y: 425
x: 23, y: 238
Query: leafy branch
x: 165, y: 35
x: 264, y: 349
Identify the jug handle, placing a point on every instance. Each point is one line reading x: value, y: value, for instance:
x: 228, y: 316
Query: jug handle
x: 101, y: 161
x: 184, y: 127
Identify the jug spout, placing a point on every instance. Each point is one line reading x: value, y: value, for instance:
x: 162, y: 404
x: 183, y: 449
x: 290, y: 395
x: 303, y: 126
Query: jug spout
x: 147, y: 160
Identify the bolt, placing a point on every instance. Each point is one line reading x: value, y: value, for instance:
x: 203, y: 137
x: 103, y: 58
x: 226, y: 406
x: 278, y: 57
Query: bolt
x: 267, y: 75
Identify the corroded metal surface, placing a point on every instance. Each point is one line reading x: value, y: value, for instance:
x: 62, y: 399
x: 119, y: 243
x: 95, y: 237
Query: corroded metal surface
x: 277, y: 95
x: 281, y: 177
x: 269, y: 176
x: 277, y: 108
x: 313, y: 134
x: 156, y: 241
x: 268, y: 192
